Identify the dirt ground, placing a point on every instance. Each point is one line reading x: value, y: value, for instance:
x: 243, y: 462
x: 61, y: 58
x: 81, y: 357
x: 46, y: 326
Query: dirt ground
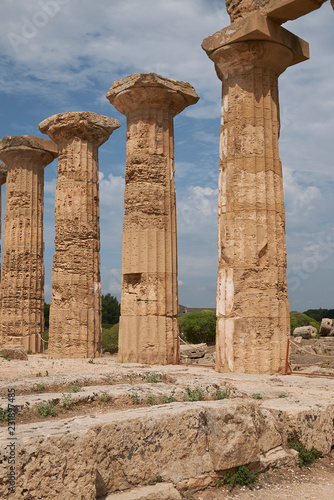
x: 299, y: 483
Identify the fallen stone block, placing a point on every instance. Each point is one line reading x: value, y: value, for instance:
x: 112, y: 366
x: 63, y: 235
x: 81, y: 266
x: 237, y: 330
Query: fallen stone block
x: 278, y: 457
x: 12, y: 351
x: 306, y: 332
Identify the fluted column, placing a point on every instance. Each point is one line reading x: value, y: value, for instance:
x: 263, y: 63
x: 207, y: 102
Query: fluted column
x: 3, y: 176
x: 149, y: 303
x: 253, y: 321
x: 22, y: 279
x: 75, y: 310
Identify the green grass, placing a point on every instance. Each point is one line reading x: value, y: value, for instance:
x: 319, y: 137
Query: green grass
x: 257, y: 395
x: 194, y: 394
x: 47, y: 409
x: 66, y: 401
x: 220, y: 395
x: 74, y: 388
x: 4, y: 415
x: 104, y: 397
x: 135, y: 398
x: 154, y: 378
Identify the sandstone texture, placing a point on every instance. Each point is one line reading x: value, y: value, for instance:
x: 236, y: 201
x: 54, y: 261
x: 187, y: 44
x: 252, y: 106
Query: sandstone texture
x: 279, y: 10
x: 161, y: 491
x: 13, y: 352
x: 3, y: 176
x: 306, y: 332
x: 22, y: 277
x: 186, y: 443
x: 149, y: 303
x: 253, y: 320
x: 326, y: 327
x: 75, y: 311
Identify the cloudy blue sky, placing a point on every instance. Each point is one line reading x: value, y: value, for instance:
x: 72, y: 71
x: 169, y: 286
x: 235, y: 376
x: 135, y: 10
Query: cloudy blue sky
x: 63, y: 55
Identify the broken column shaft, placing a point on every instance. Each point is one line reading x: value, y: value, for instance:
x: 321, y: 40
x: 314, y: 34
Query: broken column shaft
x: 75, y: 311
x: 148, y: 329
x: 253, y: 321
x: 22, y: 277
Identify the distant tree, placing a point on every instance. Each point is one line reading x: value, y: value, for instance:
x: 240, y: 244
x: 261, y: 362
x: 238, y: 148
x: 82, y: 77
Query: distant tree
x: 46, y: 315
x: 319, y: 314
x: 110, y: 339
x: 110, y: 309
x: 300, y: 319
x: 198, y: 327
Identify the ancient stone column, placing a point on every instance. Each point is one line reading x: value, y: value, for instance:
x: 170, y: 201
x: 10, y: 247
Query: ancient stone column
x: 22, y: 279
x: 252, y: 301
x: 3, y: 176
x: 148, y: 329
x: 75, y: 310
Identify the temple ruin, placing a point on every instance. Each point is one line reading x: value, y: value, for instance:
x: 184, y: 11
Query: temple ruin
x: 75, y: 310
x: 22, y: 275
x: 252, y: 300
x: 148, y: 331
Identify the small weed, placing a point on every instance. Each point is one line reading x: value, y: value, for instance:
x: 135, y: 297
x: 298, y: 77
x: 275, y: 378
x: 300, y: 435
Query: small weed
x: 46, y: 373
x: 39, y: 374
x: 134, y: 398
x: 168, y: 399
x: 131, y: 381
x: 306, y: 457
x: 4, y: 415
x: 46, y: 409
x: 257, y: 395
x: 243, y: 476
x: 267, y: 478
x: 5, y: 356
x: 282, y: 395
x: 151, y: 400
x: 220, y: 394
x: 66, y: 401
x: 74, y: 388
x: 105, y: 397
x: 194, y: 394
x: 156, y: 480
x: 91, y: 361
x: 154, y: 378
x: 29, y: 351
x: 39, y: 387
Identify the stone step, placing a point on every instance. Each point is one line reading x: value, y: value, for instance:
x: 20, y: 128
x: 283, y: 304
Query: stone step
x: 90, y: 456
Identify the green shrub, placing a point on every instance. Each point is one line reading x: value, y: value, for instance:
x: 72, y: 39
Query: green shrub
x: 154, y: 378
x: 46, y: 409
x: 194, y: 394
x: 198, y: 327
x: 243, y: 476
x: 110, y: 339
x: 306, y: 457
x: 298, y: 319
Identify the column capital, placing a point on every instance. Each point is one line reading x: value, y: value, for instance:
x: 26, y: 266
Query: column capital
x: 16, y: 148
x: 3, y: 173
x: 84, y: 125
x: 285, y: 49
x: 149, y: 90
x: 278, y: 10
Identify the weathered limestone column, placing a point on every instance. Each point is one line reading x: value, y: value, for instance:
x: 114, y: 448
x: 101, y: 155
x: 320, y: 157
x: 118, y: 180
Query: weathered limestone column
x: 75, y: 310
x: 148, y: 327
x: 22, y: 279
x: 3, y: 176
x: 252, y: 303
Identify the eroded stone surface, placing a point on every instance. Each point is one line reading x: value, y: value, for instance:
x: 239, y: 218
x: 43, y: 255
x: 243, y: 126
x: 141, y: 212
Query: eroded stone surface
x: 75, y: 311
x: 3, y: 176
x: 149, y: 303
x: 22, y: 280
x: 13, y: 352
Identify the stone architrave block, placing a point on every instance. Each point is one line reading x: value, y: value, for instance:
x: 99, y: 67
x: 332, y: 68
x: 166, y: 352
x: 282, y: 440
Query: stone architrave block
x: 326, y: 327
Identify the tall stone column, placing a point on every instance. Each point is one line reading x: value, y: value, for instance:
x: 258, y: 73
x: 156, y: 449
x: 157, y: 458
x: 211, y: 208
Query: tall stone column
x: 253, y: 321
x: 148, y: 329
x: 22, y: 279
x: 75, y: 311
x: 3, y: 176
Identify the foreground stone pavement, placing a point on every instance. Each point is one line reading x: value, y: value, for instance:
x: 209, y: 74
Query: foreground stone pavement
x: 186, y: 443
